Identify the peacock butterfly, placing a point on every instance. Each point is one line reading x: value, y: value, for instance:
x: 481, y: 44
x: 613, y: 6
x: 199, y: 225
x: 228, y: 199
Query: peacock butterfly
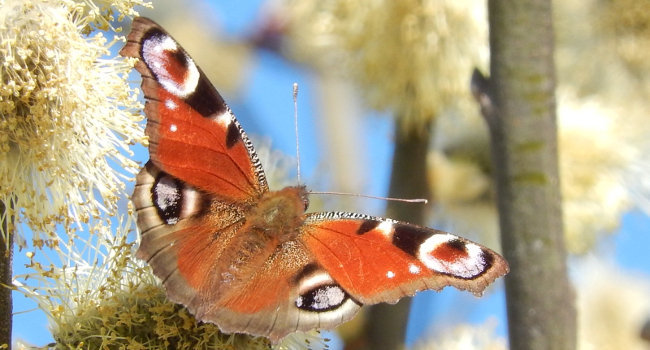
x: 249, y: 259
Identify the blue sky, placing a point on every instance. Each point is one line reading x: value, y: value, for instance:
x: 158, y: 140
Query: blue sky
x: 266, y: 108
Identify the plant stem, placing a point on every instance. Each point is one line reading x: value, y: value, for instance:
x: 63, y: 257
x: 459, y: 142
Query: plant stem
x: 6, y: 250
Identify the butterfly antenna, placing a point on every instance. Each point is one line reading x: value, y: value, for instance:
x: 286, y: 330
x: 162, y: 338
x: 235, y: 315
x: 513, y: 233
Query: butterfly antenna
x: 405, y: 200
x: 295, y: 122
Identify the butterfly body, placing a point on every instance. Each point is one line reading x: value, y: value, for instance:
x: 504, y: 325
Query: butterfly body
x: 252, y: 260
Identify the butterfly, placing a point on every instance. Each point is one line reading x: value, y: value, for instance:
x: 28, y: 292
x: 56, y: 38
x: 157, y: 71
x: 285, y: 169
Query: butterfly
x: 250, y: 259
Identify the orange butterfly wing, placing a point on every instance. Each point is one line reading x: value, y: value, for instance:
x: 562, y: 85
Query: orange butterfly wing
x: 382, y: 260
x: 193, y: 135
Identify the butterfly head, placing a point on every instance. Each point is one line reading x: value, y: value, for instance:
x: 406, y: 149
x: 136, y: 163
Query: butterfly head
x: 304, y: 196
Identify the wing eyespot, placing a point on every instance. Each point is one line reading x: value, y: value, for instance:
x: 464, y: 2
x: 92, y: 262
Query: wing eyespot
x: 318, y: 292
x: 322, y: 298
x: 175, y: 200
x: 167, y: 198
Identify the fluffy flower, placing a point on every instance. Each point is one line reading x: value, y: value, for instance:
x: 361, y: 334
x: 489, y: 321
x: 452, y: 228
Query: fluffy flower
x: 303, y: 340
x: 612, y: 310
x: 596, y: 156
x: 405, y: 55
x: 464, y: 337
x: 627, y: 24
x: 67, y: 114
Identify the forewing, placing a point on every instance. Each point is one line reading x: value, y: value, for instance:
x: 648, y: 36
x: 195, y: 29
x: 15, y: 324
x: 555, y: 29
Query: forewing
x: 193, y: 135
x: 381, y: 260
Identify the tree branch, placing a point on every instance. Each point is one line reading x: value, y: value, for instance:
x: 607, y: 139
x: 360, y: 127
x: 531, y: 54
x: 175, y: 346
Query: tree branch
x: 386, y: 325
x: 518, y: 103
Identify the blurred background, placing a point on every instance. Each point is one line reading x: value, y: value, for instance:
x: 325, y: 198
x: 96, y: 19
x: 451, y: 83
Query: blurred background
x: 357, y: 74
